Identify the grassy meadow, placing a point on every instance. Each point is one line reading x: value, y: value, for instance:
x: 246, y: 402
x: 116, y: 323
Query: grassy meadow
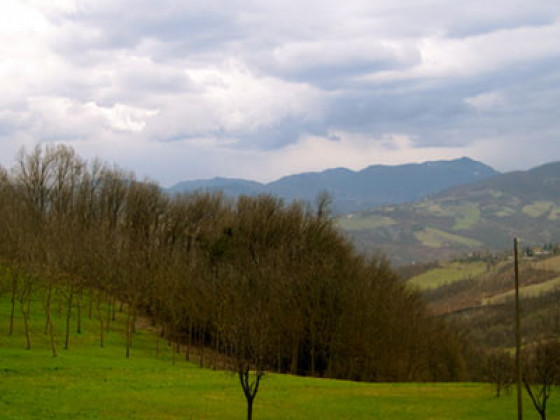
x: 447, y: 274
x: 89, y: 382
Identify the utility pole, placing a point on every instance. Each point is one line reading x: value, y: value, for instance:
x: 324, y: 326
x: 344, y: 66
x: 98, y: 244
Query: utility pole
x: 517, y: 333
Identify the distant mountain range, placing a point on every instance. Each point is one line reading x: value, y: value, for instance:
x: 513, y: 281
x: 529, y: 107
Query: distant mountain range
x: 352, y: 191
x: 486, y: 214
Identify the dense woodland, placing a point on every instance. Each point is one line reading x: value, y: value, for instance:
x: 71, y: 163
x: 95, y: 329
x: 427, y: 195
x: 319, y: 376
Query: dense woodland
x: 265, y: 284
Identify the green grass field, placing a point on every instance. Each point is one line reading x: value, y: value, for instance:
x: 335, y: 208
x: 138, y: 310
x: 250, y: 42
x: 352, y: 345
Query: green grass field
x: 538, y: 208
x: 89, y: 382
x: 446, y: 274
x: 466, y: 216
x: 437, y: 238
x: 361, y: 222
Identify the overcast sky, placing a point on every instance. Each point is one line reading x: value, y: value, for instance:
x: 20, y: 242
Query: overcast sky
x: 178, y: 90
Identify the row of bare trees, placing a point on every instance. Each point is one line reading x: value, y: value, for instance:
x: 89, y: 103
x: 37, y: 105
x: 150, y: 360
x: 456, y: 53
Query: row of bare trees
x: 267, y: 285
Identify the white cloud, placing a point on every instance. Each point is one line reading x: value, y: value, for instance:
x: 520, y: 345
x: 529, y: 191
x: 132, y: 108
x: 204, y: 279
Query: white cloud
x: 470, y: 56
x: 487, y: 101
x: 260, y: 89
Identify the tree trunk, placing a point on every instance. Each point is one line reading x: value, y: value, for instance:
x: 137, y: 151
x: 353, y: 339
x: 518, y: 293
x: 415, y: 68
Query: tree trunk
x: 213, y: 339
x: 312, y: 357
x: 13, y: 300
x: 249, y: 389
x: 127, y: 331
x: 539, y: 404
x: 90, y: 302
x: 100, y: 317
x: 295, y: 353
x: 202, y: 348
x: 189, y: 338
x: 133, y: 326
x: 79, y: 311
x: 49, y: 327
x: 250, y: 408
x: 68, y: 315
x: 108, y: 323
x: 26, y: 300
x: 48, y: 309
x: 157, y: 345
x: 53, y: 338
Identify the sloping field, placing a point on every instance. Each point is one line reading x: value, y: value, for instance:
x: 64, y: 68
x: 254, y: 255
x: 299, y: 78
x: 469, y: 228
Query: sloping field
x: 89, y: 382
x: 438, y: 238
x: 447, y: 273
x: 532, y: 290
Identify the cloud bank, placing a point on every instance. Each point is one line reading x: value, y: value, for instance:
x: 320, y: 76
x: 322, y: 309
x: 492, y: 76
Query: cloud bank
x: 179, y: 90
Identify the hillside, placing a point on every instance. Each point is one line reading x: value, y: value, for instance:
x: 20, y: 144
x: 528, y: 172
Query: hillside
x: 356, y: 190
x: 485, y: 215
x: 89, y: 382
x: 479, y: 294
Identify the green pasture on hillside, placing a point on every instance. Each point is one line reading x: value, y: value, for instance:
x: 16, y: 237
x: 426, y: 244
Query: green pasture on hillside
x: 538, y: 208
x: 89, y: 382
x: 446, y: 274
x: 363, y: 222
x: 529, y: 291
x: 437, y: 238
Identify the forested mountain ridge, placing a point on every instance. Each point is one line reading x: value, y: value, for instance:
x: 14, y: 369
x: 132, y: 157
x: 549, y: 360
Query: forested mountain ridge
x: 485, y: 215
x: 356, y: 190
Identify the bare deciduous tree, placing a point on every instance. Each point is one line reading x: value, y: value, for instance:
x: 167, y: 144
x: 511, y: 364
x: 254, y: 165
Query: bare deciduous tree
x: 541, y: 373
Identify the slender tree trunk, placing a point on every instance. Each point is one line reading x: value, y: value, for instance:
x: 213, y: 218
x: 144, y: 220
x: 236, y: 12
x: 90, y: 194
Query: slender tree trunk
x: 26, y: 301
x: 540, y: 405
x: 52, y: 337
x: 110, y: 303
x: 90, y: 302
x: 312, y: 351
x: 79, y: 311
x: 114, y: 313
x: 250, y: 408
x: 100, y: 317
x: 48, y: 309
x: 13, y: 301
x: 49, y: 327
x: 68, y: 315
x: 202, y: 348
x: 295, y: 352
x: 157, y: 345
x: 189, y: 338
x: 249, y: 389
x: 133, y: 326
x: 128, y: 331
x: 173, y: 354
x: 215, y: 337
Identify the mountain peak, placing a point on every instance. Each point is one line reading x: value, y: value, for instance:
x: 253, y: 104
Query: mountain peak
x: 357, y: 190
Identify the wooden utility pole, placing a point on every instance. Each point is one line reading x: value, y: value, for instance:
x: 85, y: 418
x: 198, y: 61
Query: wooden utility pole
x: 517, y: 333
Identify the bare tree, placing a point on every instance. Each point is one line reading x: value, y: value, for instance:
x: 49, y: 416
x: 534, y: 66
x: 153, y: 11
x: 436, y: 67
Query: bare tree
x: 541, y: 373
x: 500, y: 370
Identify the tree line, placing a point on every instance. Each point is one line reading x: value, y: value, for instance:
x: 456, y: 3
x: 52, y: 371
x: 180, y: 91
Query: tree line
x: 268, y: 285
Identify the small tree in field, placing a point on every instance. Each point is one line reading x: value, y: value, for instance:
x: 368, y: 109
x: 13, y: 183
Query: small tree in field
x: 500, y: 370
x: 542, y: 372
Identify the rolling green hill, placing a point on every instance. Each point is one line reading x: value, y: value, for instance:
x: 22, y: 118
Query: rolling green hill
x: 482, y: 216
x: 89, y: 382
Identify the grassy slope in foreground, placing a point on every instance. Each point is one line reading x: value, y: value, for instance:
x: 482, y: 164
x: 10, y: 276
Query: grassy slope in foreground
x: 87, y: 382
